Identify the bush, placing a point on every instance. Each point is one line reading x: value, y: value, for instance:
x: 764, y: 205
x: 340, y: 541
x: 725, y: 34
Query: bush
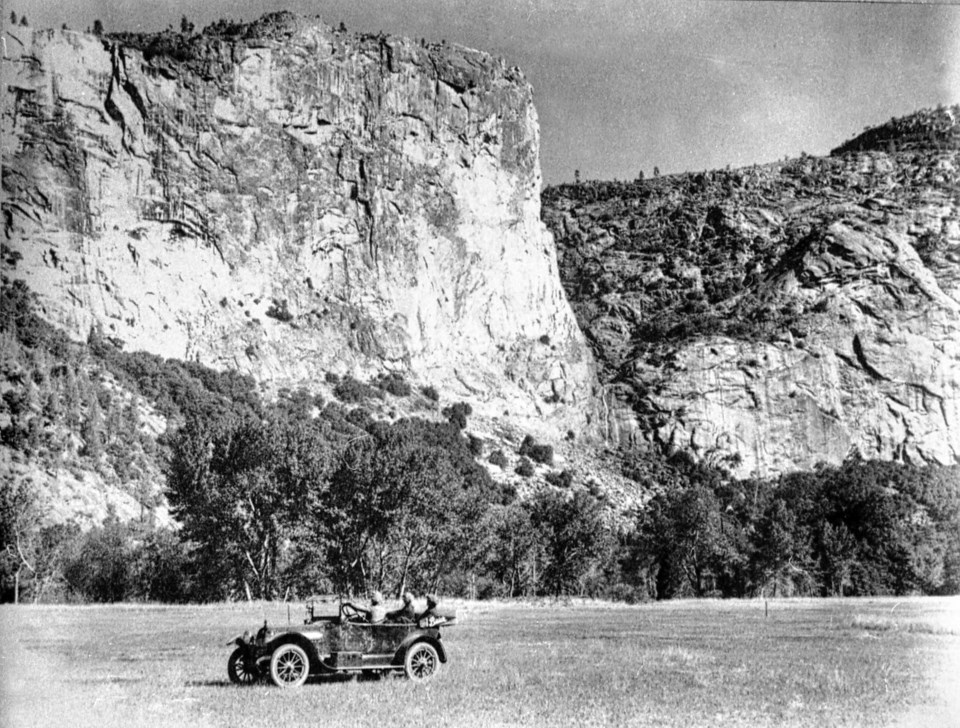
x: 538, y: 453
x: 279, y: 311
x: 431, y: 393
x: 560, y: 480
x: 395, y: 384
x: 353, y: 390
x: 360, y: 417
x: 475, y: 444
x: 458, y: 413
x: 498, y: 458
x: 525, y: 468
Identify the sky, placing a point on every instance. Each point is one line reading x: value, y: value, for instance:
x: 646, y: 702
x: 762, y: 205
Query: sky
x: 623, y: 86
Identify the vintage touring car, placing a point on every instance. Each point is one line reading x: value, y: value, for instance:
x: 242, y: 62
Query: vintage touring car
x: 341, y: 644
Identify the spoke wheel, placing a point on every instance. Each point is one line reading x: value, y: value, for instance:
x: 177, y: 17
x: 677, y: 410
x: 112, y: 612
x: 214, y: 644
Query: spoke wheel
x: 240, y: 671
x: 422, y: 662
x: 289, y: 666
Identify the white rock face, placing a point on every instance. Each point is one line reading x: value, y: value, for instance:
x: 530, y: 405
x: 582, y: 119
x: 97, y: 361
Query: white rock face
x: 818, y: 305
x: 879, y: 374
x: 296, y: 202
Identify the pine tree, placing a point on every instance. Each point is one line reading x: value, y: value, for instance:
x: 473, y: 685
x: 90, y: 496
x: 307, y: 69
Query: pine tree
x: 92, y: 432
x: 71, y: 399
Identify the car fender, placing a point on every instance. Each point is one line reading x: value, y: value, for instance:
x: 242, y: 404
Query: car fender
x: 415, y: 638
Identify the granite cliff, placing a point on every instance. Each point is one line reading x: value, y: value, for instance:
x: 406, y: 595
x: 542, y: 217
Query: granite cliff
x: 292, y: 202
x: 286, y: 200
x: 778, y: 316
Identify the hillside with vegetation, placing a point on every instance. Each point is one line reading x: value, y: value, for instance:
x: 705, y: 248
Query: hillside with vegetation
x: 263, y: 346
x: 301, y: 494
x: 833, y: 283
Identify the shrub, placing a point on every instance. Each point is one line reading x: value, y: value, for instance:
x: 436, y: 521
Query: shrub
x: 353, y: 390
x: 458, y: 413
x: 475, y: 444
x: 498, y: 458
x: 331, y: 378
x: 395, y: 384
x: 360, y: 417
x: 279, y: 311
x: 525, y: 468
x: 431, y: 393
x: 538, y: 453
x: 560, y: 480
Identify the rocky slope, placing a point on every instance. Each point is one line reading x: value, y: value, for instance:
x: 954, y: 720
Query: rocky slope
x: 288, y: 200
x: 774, y: 317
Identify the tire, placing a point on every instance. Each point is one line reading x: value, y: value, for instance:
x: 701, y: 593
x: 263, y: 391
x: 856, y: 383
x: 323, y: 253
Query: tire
x: 239, y: 670
x: 289, y: 666
x: 421, y: 662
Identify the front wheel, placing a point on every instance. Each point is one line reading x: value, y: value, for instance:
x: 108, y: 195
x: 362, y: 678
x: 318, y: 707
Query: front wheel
x: 240, y: 670
x: 422, y: 662
x: 289, y: 666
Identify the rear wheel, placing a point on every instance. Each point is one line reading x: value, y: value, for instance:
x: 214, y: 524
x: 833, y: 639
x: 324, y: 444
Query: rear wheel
x: 289, y: 666
x: 240, y: 670
x: 421, y: 662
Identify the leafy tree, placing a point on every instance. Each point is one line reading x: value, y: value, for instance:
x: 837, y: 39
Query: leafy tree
x: 402, y: 508
x: 20, y: 512
x: 512, y: 550
x: 782, y: 552
x: 688, y: 543
x: 54, y: 547
x: 573, y: 538
x: 163, y: 570
x: 101, y: 570
x: 239, y: 487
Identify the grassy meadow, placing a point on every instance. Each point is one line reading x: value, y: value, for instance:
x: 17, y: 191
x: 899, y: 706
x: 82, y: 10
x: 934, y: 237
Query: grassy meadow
x: 853, y: 662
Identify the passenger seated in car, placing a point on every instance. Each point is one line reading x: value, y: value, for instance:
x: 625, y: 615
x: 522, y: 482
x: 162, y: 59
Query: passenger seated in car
x: 376, y: 613
x: 430, y: 615
x: 407, y: 613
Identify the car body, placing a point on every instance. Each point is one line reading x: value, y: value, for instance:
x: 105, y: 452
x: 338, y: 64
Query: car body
x: 341, y: 644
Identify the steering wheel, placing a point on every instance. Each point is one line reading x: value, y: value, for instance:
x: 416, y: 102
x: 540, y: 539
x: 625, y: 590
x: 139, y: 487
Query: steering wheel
x: 349, y: 613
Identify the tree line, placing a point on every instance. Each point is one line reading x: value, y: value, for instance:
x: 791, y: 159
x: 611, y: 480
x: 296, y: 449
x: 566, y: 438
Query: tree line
x: 301, y: 495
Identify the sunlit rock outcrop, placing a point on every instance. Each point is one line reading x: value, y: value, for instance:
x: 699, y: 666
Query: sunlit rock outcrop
x: 774, y: 317
x: 286, y: 200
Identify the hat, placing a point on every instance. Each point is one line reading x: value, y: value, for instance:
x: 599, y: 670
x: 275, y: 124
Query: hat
x: 407, y: 597
x: 376, y: 598
x: 432, y: 600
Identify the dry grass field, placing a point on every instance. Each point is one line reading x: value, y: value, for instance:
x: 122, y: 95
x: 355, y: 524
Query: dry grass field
x: 876, y: 662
